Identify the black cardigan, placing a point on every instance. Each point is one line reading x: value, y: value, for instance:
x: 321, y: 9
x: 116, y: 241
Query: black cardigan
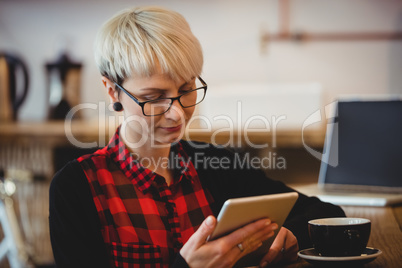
x: 75, y: 228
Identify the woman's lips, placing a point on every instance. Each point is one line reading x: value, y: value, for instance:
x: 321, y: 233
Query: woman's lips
x: 172, y: 129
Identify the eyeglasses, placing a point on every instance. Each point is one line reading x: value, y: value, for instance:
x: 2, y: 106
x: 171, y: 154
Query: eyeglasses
x: 162, y: 105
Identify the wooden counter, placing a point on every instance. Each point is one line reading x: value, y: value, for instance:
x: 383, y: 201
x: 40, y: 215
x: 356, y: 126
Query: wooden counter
x: 90, y: 132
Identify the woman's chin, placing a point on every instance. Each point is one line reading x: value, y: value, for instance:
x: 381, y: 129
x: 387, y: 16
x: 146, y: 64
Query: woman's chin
x: 163, y: 137
x: 170, y: 138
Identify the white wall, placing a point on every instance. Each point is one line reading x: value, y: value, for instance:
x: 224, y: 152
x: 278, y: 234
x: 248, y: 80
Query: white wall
x: 229, y: 31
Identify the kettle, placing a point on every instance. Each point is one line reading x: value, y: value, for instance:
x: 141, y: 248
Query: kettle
x: 14, y: 81
x: 64, y: 77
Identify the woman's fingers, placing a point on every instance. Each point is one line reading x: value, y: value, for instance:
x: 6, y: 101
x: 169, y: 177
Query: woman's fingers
x: 248, y: 238
x: 257, y: 229
x: 284, y: 247
x: 227, y: 250
x: 260, y: 236
x: 292, y: 247
x: 200, y: 236
x: 275, y: 248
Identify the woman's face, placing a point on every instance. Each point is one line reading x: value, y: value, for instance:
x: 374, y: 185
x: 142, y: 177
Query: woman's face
x: 154, y: 130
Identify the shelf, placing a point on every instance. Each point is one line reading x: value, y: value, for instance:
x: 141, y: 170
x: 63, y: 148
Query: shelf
x: 91, y: 133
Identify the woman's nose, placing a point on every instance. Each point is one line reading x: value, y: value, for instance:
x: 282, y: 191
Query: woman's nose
x: 175, y: 112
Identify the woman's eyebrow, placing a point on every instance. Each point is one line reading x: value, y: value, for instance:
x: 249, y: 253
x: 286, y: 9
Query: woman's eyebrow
x: 153, y: 89
x: 189, y: 83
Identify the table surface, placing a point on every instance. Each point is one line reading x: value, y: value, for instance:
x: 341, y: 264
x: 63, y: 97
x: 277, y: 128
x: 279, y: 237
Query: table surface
x: 386, y: 235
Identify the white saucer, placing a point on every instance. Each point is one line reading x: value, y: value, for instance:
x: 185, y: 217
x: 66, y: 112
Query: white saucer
x: 312, y: 256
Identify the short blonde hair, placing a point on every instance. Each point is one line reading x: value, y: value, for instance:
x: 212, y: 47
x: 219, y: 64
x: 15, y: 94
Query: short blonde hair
x: 139, y: 41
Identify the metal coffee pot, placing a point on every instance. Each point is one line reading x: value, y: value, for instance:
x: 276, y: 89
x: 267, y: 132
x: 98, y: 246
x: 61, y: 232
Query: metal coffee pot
x: 64, y: 77
x: 14, y: 81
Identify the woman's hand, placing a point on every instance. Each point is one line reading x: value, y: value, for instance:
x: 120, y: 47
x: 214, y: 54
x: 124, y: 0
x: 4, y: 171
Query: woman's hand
x: 227, y: 250
x: 284, y: 248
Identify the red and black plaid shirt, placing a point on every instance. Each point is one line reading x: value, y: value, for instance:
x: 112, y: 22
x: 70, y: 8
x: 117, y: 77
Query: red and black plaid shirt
x: 144, y: 221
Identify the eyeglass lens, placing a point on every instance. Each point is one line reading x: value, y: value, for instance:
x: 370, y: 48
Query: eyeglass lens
x: 161, y: 106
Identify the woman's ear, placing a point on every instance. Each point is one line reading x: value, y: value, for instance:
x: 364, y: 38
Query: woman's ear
x: 110, y: 87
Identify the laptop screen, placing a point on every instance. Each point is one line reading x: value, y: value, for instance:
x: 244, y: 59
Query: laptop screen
x: 366, y: 140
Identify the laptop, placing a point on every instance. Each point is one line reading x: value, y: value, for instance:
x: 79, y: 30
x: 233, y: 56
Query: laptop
x: 361, y: 162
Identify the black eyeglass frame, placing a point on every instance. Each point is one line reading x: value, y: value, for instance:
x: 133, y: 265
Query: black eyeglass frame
x: 142, y: 103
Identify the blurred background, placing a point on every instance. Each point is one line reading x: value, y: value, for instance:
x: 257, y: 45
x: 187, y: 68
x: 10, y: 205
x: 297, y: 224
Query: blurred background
x: 278, y: 57
x: 231, y: 35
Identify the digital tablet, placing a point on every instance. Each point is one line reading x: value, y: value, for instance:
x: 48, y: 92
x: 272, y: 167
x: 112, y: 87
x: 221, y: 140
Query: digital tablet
x: 238, y: 212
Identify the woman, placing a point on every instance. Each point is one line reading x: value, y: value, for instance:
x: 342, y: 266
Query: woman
x: 149, y: 198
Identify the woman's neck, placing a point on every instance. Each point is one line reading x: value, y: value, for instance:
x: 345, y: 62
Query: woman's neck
x: 153, y: 157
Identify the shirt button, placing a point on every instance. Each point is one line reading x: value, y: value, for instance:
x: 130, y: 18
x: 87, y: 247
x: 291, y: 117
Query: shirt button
x: 169, y: 209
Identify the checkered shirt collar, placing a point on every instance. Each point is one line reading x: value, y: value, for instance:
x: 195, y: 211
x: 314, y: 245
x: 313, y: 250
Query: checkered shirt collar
x: 142, y: 176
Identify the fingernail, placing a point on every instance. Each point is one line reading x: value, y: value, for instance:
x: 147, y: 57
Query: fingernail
x: 264, y: 264
x: 209, y: 221
x: 274, y: 226
x: 268, y: 222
